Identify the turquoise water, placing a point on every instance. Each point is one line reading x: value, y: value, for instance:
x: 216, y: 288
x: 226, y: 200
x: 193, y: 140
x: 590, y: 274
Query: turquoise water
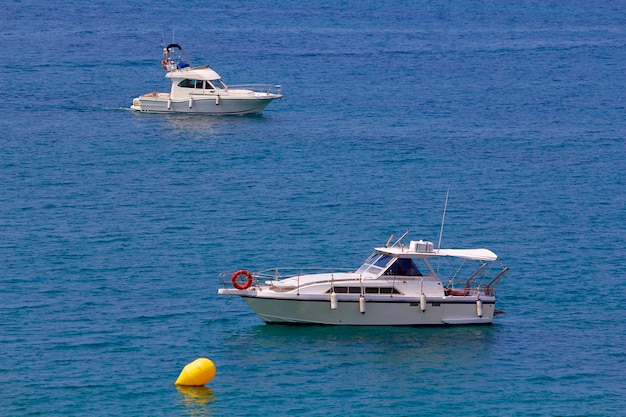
x: 114, y: 226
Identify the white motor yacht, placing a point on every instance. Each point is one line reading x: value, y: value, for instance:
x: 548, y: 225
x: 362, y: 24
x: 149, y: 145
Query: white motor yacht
x: 398, y: 285
x: 202, y: 90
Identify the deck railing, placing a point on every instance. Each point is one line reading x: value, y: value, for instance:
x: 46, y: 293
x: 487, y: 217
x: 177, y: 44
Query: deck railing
x: 470, y: 291
x: 258, y: 88
x: 275, y: 274
x: 470, y: 287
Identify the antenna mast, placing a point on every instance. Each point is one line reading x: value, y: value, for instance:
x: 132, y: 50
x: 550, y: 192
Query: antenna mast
x: 443, y: 219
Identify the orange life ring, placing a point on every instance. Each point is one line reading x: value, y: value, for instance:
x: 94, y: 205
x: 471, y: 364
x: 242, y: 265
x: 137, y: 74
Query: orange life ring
x: 164, y: 64
x: 457, y: 293
x: 237, y: 274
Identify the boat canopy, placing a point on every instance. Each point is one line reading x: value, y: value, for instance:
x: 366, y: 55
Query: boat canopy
x: 471, y: 254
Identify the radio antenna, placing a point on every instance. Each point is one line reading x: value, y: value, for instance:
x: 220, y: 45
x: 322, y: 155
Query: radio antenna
x: 443, y: 220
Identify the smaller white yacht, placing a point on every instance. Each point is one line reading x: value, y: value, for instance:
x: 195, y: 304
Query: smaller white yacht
x: 398, y: 285
x: 202, y: 90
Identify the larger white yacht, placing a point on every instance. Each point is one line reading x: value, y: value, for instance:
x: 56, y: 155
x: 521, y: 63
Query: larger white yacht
x: 397, y: 285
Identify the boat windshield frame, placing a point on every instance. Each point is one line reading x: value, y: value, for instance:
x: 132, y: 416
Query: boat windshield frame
x: 375, y: 264
x: 219, y: 84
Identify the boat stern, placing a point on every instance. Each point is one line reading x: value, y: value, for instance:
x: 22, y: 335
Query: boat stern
x: 136, y: 104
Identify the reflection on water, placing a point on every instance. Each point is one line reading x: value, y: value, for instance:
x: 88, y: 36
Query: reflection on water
x: 206, y: 124
x: 378, y: 334
x: 365, y: 357
x: 197, y: 401
x: 428, y: 343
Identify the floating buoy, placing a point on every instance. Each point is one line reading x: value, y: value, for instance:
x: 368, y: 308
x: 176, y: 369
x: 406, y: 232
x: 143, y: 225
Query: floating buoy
x: 190, y: 102
x: 479, y: 307
x: 333, y: 301
x: 362, y: 304
x: 423, y: 302
x: 196, y: 373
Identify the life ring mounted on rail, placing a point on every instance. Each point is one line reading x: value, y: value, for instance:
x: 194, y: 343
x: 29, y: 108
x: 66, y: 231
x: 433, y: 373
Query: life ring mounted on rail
x: 165, y: 64
x: 235, y: 279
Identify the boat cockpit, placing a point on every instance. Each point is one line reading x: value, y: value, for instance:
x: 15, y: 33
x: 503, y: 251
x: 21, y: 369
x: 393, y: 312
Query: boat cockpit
x: 381, y: 264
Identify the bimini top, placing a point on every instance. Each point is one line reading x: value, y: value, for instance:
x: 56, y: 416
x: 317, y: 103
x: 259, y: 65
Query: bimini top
x: 421, y: 249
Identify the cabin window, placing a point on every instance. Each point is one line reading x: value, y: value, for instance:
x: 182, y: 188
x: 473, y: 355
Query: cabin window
x: 368, y: 290
x: 186, y: 83
x: 386, y: 291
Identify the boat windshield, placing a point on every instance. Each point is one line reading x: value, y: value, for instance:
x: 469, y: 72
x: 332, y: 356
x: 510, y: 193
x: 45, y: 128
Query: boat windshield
x: 375, y: 264
x: 218, y: 84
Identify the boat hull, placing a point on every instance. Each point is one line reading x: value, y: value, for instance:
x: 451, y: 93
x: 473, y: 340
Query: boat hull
x: 390, y: 312
x: 203, y: 105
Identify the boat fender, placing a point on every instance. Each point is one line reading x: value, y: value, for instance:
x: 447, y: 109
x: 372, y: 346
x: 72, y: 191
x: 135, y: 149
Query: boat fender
x: 423, y: 302
x: 362, y: 304
x: 190, y: 102
x: 169, y: 103
x: 479, y: 307
x: 333, y: 300
x: 236, y: 283
x: 217, y: 100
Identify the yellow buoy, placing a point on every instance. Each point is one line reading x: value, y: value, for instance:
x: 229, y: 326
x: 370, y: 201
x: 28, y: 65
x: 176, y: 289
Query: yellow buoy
x: 197, y: 373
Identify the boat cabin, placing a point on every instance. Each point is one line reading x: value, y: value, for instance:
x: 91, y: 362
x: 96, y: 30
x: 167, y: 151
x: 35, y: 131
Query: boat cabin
x: 195, y: 81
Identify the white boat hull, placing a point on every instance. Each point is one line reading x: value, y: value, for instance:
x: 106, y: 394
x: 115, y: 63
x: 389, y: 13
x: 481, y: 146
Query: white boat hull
x: 379, y: 311
x: 203, y: 105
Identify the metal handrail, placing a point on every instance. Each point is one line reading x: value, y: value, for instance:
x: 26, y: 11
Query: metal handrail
x: 258, y: 88
x: 471, y: 291
x: 290, y: 271
x: 274, y: 274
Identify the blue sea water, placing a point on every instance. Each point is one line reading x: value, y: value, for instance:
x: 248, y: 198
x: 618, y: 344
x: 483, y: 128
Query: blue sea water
x: 114, y: 225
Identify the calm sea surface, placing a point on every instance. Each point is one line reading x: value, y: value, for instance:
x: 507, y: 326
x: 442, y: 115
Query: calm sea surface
x: 114, y: 226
